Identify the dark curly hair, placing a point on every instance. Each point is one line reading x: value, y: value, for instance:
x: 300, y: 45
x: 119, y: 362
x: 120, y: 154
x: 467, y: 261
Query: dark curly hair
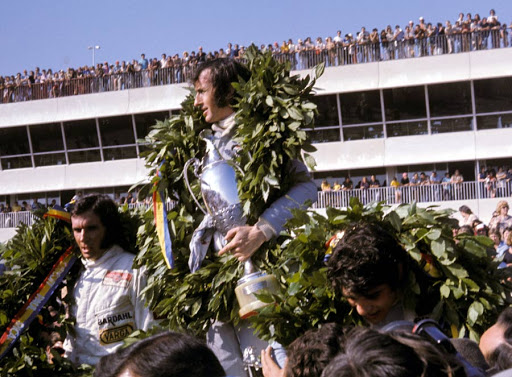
x: 367, y: 256
x: 224, y: 72
x: 105, y: 208
x: 169, y: 354
x: 370, y: 353
x: 310, y: 353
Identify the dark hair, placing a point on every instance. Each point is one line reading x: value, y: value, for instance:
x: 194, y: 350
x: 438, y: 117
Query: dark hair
x: 108, y: 212
x: 169, y: 354
x: 223, y: 72
x: 370, y: 353
x: 367, y: 256
x: 465, y: 209
x: 466, y: 229
x: 310, y: 353
x: 501, y: 358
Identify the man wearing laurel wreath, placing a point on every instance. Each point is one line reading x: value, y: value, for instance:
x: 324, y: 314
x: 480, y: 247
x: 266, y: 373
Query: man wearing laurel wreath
x: 215, y: 96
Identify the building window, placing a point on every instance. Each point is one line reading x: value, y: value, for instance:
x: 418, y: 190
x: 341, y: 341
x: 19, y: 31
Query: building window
x: 327, y: 111
x: 117, y: 131
x: 363, y: 132
x: 360, y: 107
x: 325, y: 135
x: 16, y: 162
x: 405, y: 103
x: 407, y: 128
x: 493, y: 95
x: 119, y: 153
x: 81, y: 134
x: 14, y: 140
x: 439, y: 126
x: 144, y: 122
x: 46, y: 137
x: 449, y: 99
x: 91, y: 155
x: 46, y: 159
x: 494, y: 121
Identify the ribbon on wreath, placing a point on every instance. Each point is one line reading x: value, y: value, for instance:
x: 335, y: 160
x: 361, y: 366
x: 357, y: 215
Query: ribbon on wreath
x: 58, y: 213
x: 162, y: 226
x: 37, y: 300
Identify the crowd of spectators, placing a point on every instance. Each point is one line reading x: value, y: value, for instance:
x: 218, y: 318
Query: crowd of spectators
x: 421, y: 187
x: 466, y: 33
x: 24, y: 206
x: 496, y: 181
x: 499, y: 229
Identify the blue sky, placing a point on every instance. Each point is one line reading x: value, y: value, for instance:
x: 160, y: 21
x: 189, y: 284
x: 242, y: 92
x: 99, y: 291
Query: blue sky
x: 56, y: 34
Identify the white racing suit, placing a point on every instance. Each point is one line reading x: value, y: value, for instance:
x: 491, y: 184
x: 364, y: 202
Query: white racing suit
x: 108, y: 306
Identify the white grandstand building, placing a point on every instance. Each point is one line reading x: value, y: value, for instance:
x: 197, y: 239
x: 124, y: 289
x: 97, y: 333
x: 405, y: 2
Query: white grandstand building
x: 434, y: 113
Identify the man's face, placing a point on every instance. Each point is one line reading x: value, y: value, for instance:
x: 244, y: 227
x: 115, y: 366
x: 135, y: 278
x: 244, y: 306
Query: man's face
x: 89, y: 233
x: 205, y: 99
x: 375, y: 306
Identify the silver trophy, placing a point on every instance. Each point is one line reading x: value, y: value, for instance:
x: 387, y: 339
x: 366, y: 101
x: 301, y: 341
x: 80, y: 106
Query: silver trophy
x: 218, y: 187
x: 252, y: 362
x: 218, y: 183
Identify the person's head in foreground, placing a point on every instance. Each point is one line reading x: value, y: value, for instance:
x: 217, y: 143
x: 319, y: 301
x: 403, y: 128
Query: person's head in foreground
x: 310, y: 353
x: 370, y: 353
x: 369, y: 268
x: 496, y: 342
x: 169, y: 354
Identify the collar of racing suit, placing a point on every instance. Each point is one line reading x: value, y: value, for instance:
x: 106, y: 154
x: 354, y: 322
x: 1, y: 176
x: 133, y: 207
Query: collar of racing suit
x: 113, y: 252
x: 224, y: 126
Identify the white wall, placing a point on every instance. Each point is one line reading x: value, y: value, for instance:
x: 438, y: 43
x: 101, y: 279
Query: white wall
x: 75, y: 176
x: 410, y: 150
x: 143, y: 100
x: 6, y: 234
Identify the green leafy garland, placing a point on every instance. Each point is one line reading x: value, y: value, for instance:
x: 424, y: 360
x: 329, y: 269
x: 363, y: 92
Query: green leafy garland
x: 467, y: 286
x: 271, y: 110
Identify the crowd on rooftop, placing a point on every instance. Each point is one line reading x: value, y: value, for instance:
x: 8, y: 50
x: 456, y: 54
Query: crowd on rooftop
x: 467, y: 33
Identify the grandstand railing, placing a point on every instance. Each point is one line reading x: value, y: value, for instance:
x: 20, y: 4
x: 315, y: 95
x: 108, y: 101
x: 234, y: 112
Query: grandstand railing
x: 13, y: 219
x: 338, y: 55
x: 420, y: 194
x: 389, y: 195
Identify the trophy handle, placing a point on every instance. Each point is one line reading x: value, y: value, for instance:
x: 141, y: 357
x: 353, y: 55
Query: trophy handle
x: 196, y: 163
